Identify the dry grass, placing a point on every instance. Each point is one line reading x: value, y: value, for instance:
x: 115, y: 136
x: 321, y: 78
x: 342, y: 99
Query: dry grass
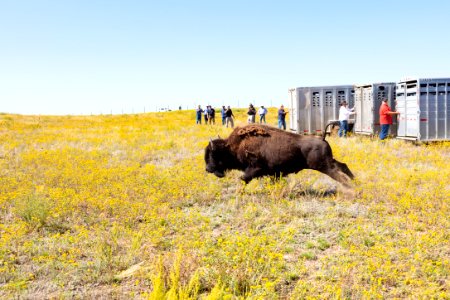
x: 121, y: 207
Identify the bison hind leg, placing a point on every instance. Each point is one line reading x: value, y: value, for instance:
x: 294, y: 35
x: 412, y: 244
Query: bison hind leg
x: 340, y: 177
x: 343, y: 167
x: 339, y: 172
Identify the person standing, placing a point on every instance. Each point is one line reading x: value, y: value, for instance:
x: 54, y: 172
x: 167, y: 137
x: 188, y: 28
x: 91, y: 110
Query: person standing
x: 262, y: 114
x: 205, y: 114
x: 344, y: 114
x: 199, y: 112
x: 212, y: 115
x: 224, y: 114
x: 230, y: 117
x: 251, y: 114
x: 282, y: 117
x: 385, y: 118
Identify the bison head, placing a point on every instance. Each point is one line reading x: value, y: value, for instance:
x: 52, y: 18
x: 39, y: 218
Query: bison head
x: 217, y: 157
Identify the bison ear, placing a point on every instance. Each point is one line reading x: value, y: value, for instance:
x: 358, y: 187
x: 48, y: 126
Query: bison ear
x: 211, y: 143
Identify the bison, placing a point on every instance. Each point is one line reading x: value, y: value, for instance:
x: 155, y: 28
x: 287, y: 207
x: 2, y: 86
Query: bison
x: 261, y: 150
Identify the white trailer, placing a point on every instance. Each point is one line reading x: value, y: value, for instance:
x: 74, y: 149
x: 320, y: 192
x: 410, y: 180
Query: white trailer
x: 424, y: 106
x: 312, y: 108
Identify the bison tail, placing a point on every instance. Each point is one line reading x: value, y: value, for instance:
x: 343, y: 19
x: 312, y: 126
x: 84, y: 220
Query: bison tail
x: 325, y: 132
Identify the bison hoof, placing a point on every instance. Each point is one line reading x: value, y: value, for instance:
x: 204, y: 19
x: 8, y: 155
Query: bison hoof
x: 219, y: 174
x: 245, y: 179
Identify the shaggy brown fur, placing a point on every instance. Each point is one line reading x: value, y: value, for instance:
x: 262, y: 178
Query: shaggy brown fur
x: 252, y: 130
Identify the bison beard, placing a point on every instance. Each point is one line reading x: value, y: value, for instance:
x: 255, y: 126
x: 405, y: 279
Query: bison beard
x: 261, y: 150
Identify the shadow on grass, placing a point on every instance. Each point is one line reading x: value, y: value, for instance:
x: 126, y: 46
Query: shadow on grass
x: 310, y: 192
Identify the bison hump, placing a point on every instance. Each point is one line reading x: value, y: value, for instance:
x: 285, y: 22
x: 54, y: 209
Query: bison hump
x: 252, y: 131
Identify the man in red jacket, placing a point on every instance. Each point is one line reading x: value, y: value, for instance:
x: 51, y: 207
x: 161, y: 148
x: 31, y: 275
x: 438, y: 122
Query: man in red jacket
x: 385, y: 118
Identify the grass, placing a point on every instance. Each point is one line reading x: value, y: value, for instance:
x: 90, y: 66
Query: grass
x: 121, y: 207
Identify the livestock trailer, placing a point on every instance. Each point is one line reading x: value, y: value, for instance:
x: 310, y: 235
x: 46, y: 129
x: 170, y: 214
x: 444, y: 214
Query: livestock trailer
x: 312, y: 108
x: 424, y: 106
x: 368, y: 100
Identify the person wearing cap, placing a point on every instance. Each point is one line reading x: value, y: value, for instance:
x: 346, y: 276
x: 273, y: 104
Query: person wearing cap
x: 282, y: 117
x: 385, y: 118
x: 344, y: 114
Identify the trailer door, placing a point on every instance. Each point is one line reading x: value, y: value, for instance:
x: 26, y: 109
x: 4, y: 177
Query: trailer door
x: 412, y: 109
x: 293, y: 117
x: 401, y: 107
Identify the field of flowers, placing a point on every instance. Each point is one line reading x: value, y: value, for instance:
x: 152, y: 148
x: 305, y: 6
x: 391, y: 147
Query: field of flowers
x: 121, y: 207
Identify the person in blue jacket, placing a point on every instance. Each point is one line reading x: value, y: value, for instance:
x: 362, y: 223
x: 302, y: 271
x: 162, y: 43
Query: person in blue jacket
x: 282, y: 118
x: 224, y: 114
x: 199, y: 112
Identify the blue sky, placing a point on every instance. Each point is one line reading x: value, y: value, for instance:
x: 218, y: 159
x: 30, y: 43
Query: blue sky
x: 98, y: 57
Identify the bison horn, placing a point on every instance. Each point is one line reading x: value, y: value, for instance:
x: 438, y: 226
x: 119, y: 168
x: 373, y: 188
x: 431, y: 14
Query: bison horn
x: 218, y: 136
x: 211, y: 143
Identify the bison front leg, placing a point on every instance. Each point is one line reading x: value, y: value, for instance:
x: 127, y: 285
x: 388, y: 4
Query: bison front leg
x: 250, y: 173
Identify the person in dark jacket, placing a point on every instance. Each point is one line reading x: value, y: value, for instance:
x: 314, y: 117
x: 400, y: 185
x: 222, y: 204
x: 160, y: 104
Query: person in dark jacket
x: 199, y: 112
x: 230, y: 117
x: 251, y: 114
x: 282, y: 117
x: 211, y: 115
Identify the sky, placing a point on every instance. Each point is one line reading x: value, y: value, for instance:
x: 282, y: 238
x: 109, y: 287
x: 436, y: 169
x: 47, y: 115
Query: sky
x: 88, y: 57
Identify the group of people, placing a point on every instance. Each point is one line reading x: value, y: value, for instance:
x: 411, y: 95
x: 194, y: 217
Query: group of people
x: 209, y: 115
x: 262, y: 115
x: 252, y: 114
x: 227, y: 115
x: 385, y: 118
x: 344, y: 114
